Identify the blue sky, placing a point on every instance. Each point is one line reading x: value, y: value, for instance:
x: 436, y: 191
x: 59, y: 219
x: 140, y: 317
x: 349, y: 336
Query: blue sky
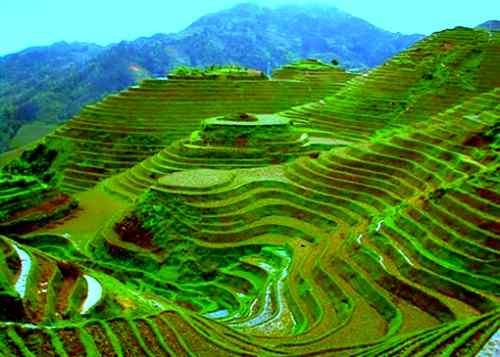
x: 25, y: 23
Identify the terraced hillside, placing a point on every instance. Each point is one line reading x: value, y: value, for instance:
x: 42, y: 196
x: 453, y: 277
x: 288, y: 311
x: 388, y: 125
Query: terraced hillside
x: 389, y: 247
x: 26, y: 202
x: 234, y: 141
x: 375, y: 233
x: 126, y: 128
x: 436, y: 73
x: 48, y: 289
x: 402, y: 229
x: 433, y: 75
x: 312, y: 70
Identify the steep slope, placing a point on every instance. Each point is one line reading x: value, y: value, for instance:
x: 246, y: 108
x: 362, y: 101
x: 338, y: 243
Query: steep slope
x: 27, y: 203
x: 438, y: 72
x: 249, y: 35
x: 32, y: 89
x: 274, y: 35
x: 28, y: 196
x: 234, y: 141
x: 383, y: 247
x: 492, y: 25
x: 124, y: 129
x: 44, y: 288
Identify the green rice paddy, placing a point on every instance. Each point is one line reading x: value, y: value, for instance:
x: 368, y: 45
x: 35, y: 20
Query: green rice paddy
x: 317, y: 212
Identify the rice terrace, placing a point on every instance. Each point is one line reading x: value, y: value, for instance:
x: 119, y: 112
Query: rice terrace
x: 323, y: 205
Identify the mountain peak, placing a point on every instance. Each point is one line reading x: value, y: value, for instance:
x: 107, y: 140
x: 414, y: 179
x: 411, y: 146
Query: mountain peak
x: 248, y: 34
x: 492, y: 25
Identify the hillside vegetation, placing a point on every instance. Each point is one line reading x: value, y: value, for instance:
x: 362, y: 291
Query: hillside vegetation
x: 48, y: 85
x: 315, y: 213
x: 110, y: 136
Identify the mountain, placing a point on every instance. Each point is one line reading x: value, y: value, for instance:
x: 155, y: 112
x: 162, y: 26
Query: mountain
x: 364, y: 222
x: 442, y: 70
x: 492, y: 25
x: 50, y: 84
x: 289, y: 33
x: 41, y: 83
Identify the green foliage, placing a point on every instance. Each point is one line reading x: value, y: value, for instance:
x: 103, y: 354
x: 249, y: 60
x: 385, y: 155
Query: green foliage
x: 246, y: 130
x: 313, y: 65
x: 163, y: 217
x: 42, y: 162
x: 216, y: 72
x: 140, y: 140
x: 453, y: 66
x: 36, y: 162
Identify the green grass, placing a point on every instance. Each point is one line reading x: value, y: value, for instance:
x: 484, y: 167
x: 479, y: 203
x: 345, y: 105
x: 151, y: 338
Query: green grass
x: 29, y: 133
x: 311, y: 65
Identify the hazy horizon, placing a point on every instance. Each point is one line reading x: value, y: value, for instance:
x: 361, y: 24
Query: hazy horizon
x: 32, y: 24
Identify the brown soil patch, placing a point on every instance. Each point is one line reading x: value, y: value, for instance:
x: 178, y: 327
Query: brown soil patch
x: 70, y: 273
x: 72, y: 343
x: 448, y: 46
x: 241, y: 141
x: 47, y: 207
x: 101, y: 339
x: 131, y: 230
x: 478, y: 140
x: 489, y: 195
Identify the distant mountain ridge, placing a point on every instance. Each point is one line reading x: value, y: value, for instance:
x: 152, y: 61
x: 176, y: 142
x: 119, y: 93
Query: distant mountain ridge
x: 50, y: 84
x: 492, y: 25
